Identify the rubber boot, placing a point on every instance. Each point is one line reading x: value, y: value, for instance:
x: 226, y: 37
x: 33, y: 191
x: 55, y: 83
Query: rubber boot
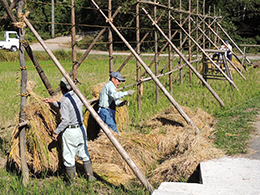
x: 88, y: 170
x: 70, y: 176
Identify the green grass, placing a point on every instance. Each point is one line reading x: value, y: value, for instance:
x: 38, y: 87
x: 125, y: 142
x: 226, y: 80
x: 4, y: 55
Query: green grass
x: 234, y: 126
x: 232, y: 129
x: 10, y: 183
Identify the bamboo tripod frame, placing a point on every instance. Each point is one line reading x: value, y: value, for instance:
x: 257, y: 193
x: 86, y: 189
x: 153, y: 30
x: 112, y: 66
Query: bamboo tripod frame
x: 206, y: 34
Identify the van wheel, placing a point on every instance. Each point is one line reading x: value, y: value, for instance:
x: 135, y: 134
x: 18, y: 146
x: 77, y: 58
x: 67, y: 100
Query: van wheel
x: 13, y: 48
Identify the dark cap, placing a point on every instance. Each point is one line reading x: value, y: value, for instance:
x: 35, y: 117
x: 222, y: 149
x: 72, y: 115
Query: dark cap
x: 117, y: 75
x: 64, y: 82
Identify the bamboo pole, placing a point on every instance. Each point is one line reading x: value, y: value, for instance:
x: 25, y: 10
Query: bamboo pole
x: 105, y: 128
x: 222, y: 72
x: 219, y: 11
x: 166, y: 44
x: 110, y: 38
x: 215, y: 29
x: 209, y: 21
x: 181, y: 41
x: 39, y: 69
x: 22, y: 115
x: 187, y: 62
x: 197, y: 36
x: 73, y: 41
x: 204, y: 23
x: 170, y: 47
x: 189, y: 31
x: 243, y: 58
x: 166, y: 93
x: 24, y: 123
x: 156, y: 55
x: 138, y: 67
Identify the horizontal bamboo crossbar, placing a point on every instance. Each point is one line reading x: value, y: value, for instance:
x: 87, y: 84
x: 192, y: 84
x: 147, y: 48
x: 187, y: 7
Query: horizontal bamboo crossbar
x: 250, y: 45
x: 176, y: 10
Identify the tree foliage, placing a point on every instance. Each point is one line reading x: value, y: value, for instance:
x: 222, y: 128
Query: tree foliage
x: 241, y: 17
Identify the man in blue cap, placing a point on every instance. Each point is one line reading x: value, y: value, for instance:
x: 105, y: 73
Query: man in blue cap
x: 109, y: 98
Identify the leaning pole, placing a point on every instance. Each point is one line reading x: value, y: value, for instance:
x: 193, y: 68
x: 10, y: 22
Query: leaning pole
x: 105, y: 128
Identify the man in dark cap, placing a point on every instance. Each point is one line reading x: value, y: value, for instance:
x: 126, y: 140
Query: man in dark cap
x: 74, y: 137
x: 109, y: 98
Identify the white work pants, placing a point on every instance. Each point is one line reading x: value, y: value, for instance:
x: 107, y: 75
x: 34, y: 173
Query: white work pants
x: 74, y: 142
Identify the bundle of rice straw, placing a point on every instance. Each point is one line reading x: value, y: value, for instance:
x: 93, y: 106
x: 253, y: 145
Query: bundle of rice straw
x: 96, y: 89
x: 181, y: 149
x: 141, y: 148
x: 39, y: 152
x: 171, y: 152
x: 90, y: 123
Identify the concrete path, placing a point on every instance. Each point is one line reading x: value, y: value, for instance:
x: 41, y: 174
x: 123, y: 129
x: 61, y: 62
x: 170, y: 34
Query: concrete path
x: 225, y: 176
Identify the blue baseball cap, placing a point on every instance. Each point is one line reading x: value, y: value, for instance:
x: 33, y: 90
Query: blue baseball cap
x: 117, y: 75
x: 226, y: 41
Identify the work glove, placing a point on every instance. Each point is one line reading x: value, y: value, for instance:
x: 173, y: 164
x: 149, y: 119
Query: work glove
x: 125, y: 102
x: 130, y: 92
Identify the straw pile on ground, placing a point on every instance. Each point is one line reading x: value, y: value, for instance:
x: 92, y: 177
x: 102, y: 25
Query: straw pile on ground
x: 182, y: 149
x: 39, y: 152
x: 171, y: 152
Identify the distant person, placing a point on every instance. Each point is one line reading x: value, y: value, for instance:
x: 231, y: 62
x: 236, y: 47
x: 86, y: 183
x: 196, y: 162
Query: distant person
x: 219, y: 55
x: 229, y: 50
x: 109, y: 98
x: 222, y: 47
x: 74, y: 137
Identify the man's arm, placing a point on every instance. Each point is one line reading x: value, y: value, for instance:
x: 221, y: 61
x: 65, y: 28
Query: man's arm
x: 51, y: 101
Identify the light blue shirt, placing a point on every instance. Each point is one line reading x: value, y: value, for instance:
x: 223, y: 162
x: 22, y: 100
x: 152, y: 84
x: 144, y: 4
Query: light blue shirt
x: 108, y: 94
